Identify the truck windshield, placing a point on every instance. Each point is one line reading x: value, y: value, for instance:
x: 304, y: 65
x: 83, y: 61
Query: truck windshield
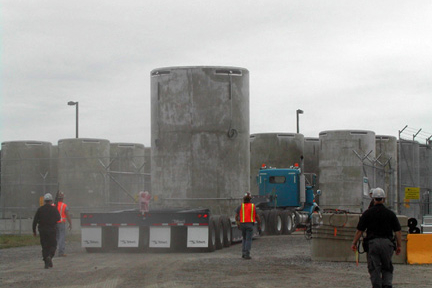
x: 277, y: 179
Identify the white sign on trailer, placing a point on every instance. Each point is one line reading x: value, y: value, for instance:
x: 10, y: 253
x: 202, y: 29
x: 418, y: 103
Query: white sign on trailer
x: 128, y: 237
x: 91, y: 237
x: 160, y: 237
x: 197, y: 237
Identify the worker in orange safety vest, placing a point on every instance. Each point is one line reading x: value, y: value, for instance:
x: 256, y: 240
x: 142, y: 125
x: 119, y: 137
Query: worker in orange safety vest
x: 61, y: 225
x: 245, y: 217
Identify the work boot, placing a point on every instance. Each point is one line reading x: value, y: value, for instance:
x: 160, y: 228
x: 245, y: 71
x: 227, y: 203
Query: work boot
x: 247, y: 257
x: 47, y: 261
x: 50, y: 263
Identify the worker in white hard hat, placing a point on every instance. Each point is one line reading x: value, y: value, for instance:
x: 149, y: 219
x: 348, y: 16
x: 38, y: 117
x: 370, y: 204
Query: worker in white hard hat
x: 46, y: 218
x: 380, y: 223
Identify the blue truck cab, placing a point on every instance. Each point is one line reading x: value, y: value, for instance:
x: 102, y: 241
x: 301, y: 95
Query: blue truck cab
x: 284, y: 187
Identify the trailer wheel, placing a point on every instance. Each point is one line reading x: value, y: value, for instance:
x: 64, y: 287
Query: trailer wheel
x: 211, y: 236
x: 288, y: 222
x: 275, y: 221
x: 218, y: 232
x: 227, y: 235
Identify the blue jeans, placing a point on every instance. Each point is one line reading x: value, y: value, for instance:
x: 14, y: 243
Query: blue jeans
x: 247, y: 231
x: 61, y: 238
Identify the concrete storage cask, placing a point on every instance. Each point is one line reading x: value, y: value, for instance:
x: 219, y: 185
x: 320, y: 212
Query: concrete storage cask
x: 126, y: 174
x: 409, y: 176
x: 386, y: 172
x: 279, y: 150
x: 200, y: 136
x: 341, y: 172
x: 425, y: 166
x: 311, y: 155
x: 82, y: 173
x: 25, y: 174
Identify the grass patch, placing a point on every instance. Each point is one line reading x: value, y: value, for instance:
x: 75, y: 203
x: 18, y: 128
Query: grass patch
x: 10, y: 241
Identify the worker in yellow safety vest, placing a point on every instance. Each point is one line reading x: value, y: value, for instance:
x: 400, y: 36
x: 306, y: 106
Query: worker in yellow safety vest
x: 61, y: 225
x: 245, y: 217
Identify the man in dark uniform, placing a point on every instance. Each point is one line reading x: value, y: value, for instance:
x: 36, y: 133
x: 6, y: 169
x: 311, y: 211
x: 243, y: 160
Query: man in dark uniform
x: 46, y: 218
x: 245, y: 218
x: 379, y: 223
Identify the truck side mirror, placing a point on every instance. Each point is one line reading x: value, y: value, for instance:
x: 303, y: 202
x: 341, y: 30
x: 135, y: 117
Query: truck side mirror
x: 318, y: 192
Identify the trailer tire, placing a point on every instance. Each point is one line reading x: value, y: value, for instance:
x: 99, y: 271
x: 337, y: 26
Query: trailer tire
x: 275, y: 221
x: 218, y: 232
x: 289, y: 224
x: 227, y: 235
x: 211, y: 236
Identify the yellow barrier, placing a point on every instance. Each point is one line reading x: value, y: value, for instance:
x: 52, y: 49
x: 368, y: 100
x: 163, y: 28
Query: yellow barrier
x: 419, y: 249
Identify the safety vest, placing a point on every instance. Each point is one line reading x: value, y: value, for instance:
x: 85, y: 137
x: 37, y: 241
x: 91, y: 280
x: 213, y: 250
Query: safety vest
x: 247, y: 213
x: 61, y: 207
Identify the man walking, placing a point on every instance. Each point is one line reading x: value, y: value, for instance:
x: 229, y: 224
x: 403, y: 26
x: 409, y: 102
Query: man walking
x: 245, y: 217
x: 46, y: 218
x: 379, y: 223
x: 63, y: 210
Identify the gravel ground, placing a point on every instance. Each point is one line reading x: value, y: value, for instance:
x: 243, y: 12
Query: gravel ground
x: 278, y: 261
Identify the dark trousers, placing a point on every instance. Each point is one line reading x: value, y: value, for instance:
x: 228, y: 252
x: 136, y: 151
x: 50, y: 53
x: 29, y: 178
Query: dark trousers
x: 48, y: 242
x: 380, y: 264
x: 247, y: 231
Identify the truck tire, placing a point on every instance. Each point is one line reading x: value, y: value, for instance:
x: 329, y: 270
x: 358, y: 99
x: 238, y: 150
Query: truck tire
x: 211, y: 236
x: 288, y: 222
x: 218, y: 232
x: 275, y: 221
x: 263, y: 222
x: 227, y: 235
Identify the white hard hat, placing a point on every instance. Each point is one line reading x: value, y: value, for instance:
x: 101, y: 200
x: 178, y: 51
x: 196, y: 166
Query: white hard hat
x: 378, y: 193
x: 48, y: 197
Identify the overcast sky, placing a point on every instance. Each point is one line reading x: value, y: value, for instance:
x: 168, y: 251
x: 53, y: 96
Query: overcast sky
x: 348, y: 64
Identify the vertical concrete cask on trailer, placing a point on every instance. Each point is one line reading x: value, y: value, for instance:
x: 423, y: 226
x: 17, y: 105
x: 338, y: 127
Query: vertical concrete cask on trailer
x: 200, y: 136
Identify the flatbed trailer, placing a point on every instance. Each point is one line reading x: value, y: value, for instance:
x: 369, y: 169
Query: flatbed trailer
x: 174, y: 229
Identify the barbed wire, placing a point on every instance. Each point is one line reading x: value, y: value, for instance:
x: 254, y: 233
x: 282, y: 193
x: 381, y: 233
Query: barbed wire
x: 419, y: 135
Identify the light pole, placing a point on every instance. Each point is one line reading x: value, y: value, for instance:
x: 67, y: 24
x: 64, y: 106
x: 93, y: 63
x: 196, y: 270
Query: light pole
x: 72, y: 103
x: 299, y: 111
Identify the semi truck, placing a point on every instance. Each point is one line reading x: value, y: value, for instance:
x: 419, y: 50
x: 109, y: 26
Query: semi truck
x: 284, y: 203
x: 286, y: 199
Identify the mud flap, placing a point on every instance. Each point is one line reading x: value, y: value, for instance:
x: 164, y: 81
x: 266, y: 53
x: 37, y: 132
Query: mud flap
x: 160, y: 237
x: 197, y: 237
x: 128, y: 236
x: 91, y: 237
